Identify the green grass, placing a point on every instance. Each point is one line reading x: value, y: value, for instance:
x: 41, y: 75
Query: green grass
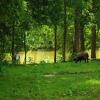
x: 62, y: 81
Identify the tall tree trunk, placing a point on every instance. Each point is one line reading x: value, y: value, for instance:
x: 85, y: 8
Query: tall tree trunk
x: 55, y: 31
x: 64, y: 34
x: 93, y: 39
x: 78, y: 42
x: 93, y: 42
x: 82, y: 47
x: 76, y: 35
x: 25, y: 47
x: 13, y: 42
x: 2, y: 40
x: 2, y: 46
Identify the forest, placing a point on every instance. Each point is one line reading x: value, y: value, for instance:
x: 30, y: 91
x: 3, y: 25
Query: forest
x: 63, y: 26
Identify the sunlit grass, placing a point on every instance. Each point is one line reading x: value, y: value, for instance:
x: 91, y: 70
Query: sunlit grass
x: 93, y: 82
x: 62, y: 81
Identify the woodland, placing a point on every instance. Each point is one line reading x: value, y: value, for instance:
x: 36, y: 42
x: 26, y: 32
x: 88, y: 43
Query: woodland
x: 59, y: 25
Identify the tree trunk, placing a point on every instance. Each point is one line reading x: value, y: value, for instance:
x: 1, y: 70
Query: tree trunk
x: 93, y: 39
x: 76, y: 35
x: 25, y: 47
x: 13, y: 42
x: 64, y: 34
x: 78, y: 42
x: 55, y: 31
x: 93, y: 42
x: 2, y: 46
x: 82, y: 47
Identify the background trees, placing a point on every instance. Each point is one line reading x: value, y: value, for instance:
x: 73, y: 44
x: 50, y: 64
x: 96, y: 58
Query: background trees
x: 62, y: 25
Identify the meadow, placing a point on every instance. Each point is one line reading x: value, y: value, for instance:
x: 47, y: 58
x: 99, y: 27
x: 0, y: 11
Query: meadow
x: 61, y: 81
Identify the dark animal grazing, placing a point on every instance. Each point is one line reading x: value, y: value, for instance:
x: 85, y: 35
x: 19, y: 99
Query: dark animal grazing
x: 81, y: 56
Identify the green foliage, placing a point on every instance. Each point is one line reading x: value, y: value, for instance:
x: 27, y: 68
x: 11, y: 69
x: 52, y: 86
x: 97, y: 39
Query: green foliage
x: 40, y: 37
x: 37, y: 18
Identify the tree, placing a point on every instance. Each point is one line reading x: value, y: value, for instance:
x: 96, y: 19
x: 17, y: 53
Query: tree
x: 93, y: 42
x: 79, y: 29
x: 93, y: 30
x: 48, y: 13
x: 81, y: 19
x: 65, y: 31
x: 13, y: 16
x: 4, y: 27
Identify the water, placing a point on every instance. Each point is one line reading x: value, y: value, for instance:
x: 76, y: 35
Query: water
x: 37, y: 56
x: 43, y: 56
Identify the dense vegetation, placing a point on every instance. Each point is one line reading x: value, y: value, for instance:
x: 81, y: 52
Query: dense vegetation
x: 64, y: 25
x: 67, y: 81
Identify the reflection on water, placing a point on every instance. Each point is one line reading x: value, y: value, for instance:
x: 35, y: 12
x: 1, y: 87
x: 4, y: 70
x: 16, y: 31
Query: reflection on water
x: 47, y: 56
x: 44, y: 56
x: 37, y: 56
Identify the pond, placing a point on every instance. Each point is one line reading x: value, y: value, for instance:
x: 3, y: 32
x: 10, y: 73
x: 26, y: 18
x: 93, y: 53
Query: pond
x: 37, y: 56
x: 44, y: 56
x: 40, y: 56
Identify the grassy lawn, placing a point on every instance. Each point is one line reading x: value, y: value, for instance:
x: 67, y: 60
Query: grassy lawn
x: 62, y: 81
